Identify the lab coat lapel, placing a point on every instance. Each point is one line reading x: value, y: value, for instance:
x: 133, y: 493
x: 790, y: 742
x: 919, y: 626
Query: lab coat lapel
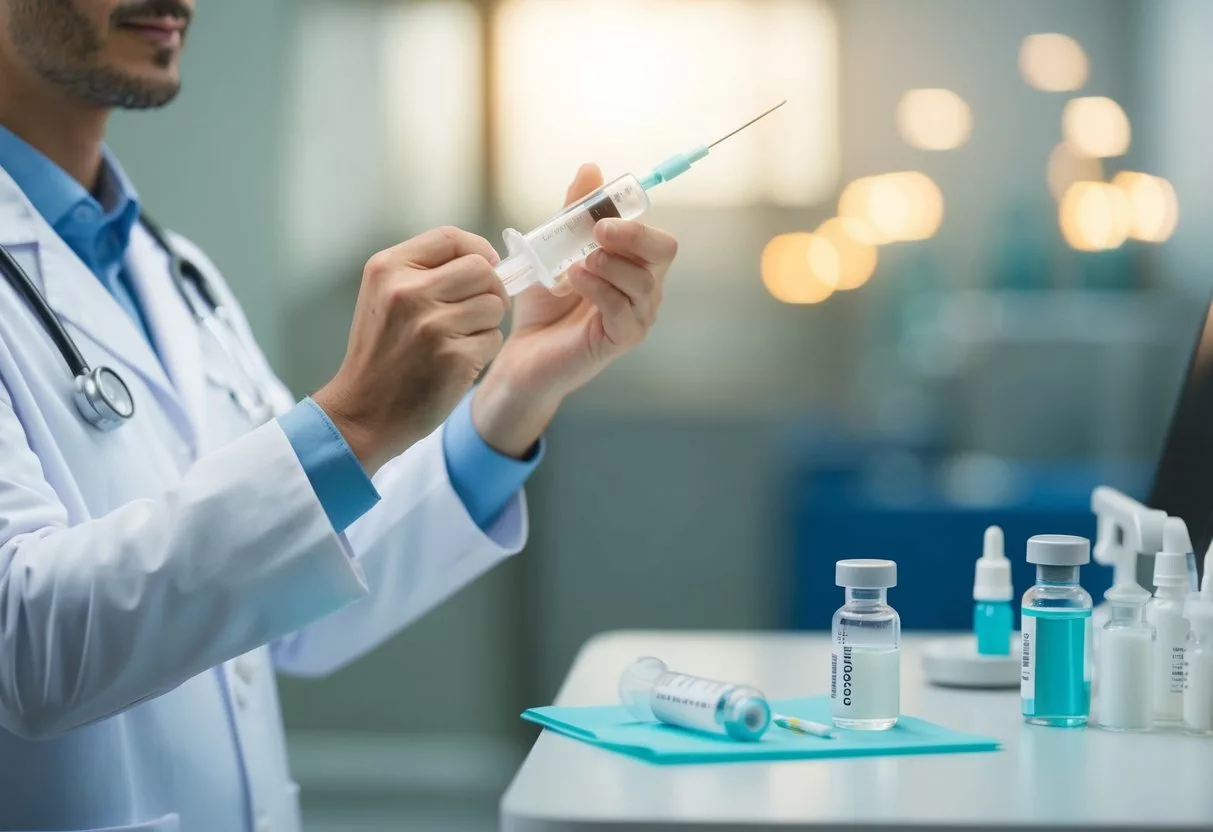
x: 80, y: 300
x: 172, y: 324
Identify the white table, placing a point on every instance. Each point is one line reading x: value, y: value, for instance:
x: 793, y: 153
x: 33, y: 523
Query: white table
x: 1043, y: 777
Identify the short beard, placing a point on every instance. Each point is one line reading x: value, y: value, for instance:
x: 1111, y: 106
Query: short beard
x: 61, y: 44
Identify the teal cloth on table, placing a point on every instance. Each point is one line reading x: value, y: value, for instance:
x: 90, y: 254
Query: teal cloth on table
x: 612, y: 727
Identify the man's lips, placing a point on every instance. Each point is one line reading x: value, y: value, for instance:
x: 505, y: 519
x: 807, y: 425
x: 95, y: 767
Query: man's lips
x: 164, y: 31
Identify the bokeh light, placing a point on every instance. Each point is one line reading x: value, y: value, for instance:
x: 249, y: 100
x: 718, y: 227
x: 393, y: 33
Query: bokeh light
x: 1153, y: 205
x: 897, y: 207
x: 1067, y: 167
x: 1053, y: 62
x: 934, y: 119
x: 1096, y: 126
x: 855, y: 247
x: 1095, y: 216
x: 791, y: 266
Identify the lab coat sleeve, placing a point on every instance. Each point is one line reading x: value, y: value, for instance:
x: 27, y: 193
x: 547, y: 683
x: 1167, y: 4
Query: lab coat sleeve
x: 416, y: 547
x: 98, y: 616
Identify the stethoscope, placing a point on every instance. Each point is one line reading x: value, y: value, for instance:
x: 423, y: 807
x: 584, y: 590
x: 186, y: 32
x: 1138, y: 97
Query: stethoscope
x: 100, y: 395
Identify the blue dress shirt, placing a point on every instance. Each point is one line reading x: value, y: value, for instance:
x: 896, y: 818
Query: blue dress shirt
x: 98, y: 229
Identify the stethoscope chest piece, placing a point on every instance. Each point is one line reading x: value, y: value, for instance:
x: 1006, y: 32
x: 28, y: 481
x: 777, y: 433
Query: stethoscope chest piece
x: 103, y: 399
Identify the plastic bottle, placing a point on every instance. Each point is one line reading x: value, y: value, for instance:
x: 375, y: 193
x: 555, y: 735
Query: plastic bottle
x: 1124, y: 660
x: 992, y: 592
x: 865, y: 666
x: 1166, y: 612
x: 1055, y: 682
x: 1198, y: 658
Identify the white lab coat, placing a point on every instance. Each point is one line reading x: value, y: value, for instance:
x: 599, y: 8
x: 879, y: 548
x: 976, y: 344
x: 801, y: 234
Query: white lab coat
x: 153, y: 578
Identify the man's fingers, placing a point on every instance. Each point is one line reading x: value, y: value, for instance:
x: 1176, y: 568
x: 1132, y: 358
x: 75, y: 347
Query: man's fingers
x: 634, y: 280
x: 619, y: 320
x: 439, y: 246
x: 636, y: 241
x: 587, y: 180
x: 466, y: 277
x: 475, y: 315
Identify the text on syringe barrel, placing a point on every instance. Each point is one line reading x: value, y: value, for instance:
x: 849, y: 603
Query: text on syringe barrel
x: 568, y: 237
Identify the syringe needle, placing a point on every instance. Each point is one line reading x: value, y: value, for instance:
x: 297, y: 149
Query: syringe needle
x: 747, y: 124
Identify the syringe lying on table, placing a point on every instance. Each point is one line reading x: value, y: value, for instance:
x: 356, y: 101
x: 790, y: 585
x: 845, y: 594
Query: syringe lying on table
x: 544, y: 254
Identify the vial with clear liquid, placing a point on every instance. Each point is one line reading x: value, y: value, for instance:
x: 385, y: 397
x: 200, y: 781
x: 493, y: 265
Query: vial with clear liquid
x: 865, y: 663
x: 651, y: 691
x: 1055, y: 671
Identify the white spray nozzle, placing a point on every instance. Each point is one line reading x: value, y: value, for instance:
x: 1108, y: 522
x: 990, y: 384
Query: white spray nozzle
x: 1175, y: 536
x: 993, y: 581
x: 1125, y: 529
x: 1171, y: 563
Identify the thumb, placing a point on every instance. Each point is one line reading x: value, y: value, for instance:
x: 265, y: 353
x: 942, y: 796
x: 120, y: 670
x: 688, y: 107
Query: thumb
x: 587, y: 180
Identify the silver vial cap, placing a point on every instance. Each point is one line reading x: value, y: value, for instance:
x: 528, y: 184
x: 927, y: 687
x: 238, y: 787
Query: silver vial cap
x: 865, y: 574
x: 1059, y: 550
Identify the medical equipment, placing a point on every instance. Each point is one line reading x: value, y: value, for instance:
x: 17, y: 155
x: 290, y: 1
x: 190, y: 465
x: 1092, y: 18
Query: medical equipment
x: 865, y: 662
x: 992, y: 615
x: 651, y: 691
x: 1166, y: 612
x: 1055, y: 682
x: 101, y: 396
x: 1198, y: 657
x: 803, y: 726
x: 1124, y: 660
x: 1125, y: 532
x: 545, y: 253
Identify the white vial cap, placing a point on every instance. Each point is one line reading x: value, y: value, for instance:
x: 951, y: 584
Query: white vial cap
x: 993, y: 581
x: 1059, y: 550
x: 865, y: 574
x: 1171, y: 569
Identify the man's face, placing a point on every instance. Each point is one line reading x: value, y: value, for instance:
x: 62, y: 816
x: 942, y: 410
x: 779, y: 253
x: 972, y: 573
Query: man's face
x: 111, y: 53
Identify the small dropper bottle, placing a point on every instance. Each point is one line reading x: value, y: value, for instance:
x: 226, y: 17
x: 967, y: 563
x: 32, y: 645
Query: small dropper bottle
x: 992, y: 592
x: 1166, y: 612
x: 1198, y: 657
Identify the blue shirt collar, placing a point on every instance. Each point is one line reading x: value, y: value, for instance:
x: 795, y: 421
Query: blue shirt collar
x: 97, y: 230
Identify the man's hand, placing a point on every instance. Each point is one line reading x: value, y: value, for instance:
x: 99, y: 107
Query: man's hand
x: 426, y: 323
x: 562, y: 339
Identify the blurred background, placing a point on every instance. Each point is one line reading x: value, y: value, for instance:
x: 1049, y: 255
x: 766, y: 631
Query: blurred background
x: 955, y: 281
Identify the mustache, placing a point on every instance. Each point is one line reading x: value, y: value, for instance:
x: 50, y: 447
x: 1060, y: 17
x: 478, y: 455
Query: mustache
x: 144, y: 9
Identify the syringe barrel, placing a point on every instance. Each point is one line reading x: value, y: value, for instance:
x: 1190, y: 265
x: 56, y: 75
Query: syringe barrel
x: 651, y: 691
x: 568, y: 238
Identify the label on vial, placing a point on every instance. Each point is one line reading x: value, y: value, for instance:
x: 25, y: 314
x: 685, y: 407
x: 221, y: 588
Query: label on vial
x: 1169, y: 644
x: 1027, y: 659
x: 865, y: 683
x: 689, y: 701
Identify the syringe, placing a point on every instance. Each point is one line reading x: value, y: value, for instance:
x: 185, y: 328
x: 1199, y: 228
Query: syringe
x: 544, y: 254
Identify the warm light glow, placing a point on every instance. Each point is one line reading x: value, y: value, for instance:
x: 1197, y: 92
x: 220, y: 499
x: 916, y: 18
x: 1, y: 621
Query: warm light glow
x: 855, y: 251
x: 1052, y: 62
x: 1067, y: 167
x: 627, y: 83
x: 896, y: 207
x: 1154, y: 206
x: 1096, y: 126
x: 792, y: 266
x: 934, y: 119
x: 1095, y: 216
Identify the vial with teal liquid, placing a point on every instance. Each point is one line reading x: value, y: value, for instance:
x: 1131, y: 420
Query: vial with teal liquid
x: 1055, y: 670
x: 992, y: 614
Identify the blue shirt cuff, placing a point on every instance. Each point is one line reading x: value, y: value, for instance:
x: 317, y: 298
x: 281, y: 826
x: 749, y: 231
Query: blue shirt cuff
x: 484, y: 479
x: 338, y: 478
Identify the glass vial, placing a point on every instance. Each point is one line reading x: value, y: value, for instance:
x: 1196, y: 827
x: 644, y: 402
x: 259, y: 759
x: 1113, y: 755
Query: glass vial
x: 1198, y: 659
x: 651, y: 691
x: 1126, y: 654
x: 865, y: 665
x: 1055, y: 675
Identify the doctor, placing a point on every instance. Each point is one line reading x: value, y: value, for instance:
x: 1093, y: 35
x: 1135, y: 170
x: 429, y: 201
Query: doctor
x: 174, y: 526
